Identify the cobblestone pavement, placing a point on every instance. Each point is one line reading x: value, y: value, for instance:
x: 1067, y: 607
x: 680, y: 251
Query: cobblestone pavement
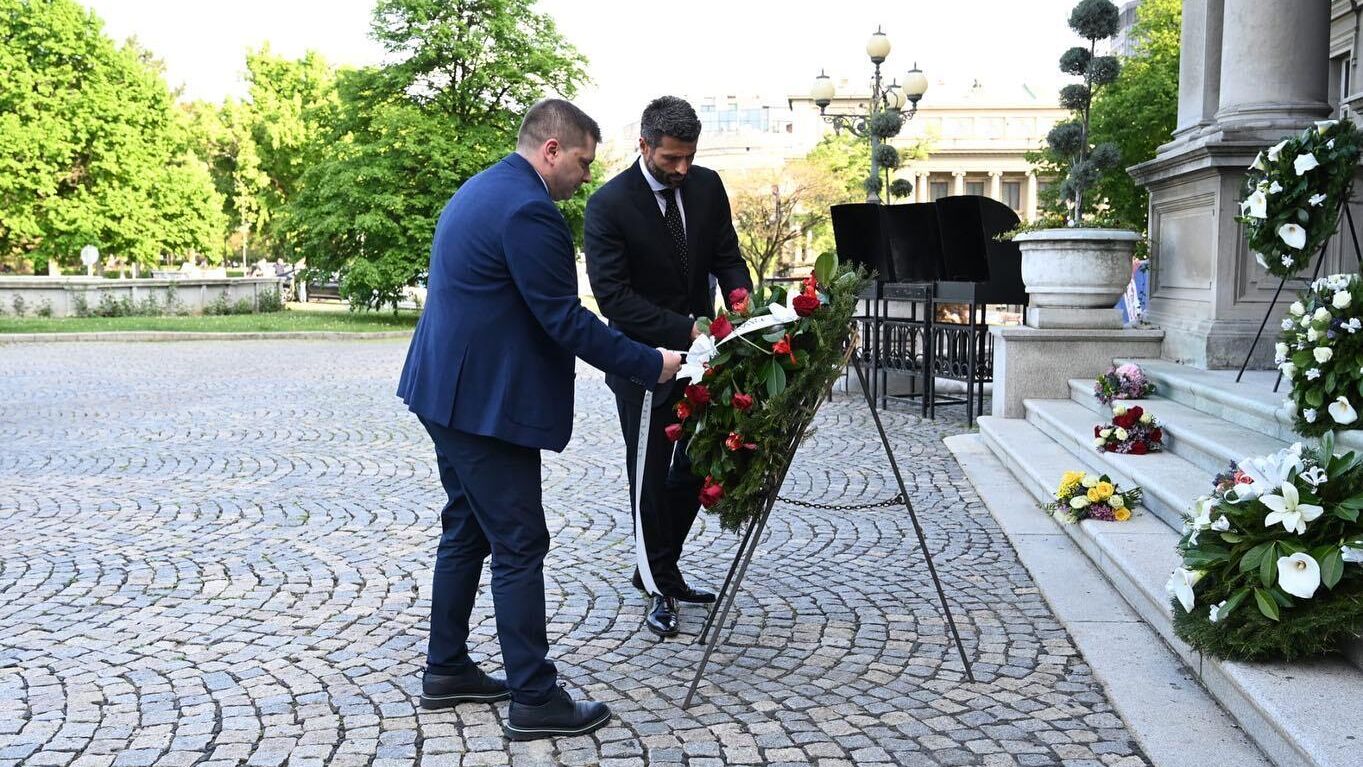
x: 220, y: 553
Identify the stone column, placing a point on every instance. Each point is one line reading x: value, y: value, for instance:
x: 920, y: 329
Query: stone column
x: 1199, y: 66
x: 958, y: 182
x: 1274, y: 66
x: 1031, y: 200
x: 1271, y: 78
x: 922, y: 187
x: 996, y: 185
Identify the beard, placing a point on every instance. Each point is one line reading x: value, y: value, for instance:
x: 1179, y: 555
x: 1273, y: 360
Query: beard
x: 673, y: 180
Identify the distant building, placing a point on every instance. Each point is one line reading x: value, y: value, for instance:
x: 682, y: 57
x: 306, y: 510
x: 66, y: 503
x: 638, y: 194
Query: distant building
x: 977, y: 135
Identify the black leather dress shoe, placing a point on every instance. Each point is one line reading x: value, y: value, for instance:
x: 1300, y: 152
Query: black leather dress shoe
x: 559, y: 717
x: 446, y: 690
x: 684, y: 594
x: 662, y: 616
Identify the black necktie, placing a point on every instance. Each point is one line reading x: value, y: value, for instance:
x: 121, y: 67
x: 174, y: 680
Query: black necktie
x: 672, y: 217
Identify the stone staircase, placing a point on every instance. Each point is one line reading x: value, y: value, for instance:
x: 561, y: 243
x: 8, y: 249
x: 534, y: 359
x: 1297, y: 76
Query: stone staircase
x: 1303, y: 713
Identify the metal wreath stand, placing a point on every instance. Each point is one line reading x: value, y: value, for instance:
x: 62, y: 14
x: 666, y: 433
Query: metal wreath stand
x: 752, y: 536
x: 1358, y: 255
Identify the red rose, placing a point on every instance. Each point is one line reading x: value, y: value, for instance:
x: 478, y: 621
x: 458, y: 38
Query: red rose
x: 709, y: 371
x: 699, y: 394
x: 1156, y: 435
x: 683, y: 409
x: 1126, y: 420
x: 741, y: 401
x: 1139, y: 448
x: 711, y: 492
x: 720, y: 327
x: 734, y: 442
x: 673, y: 431
x: 738, y: 296
x: 783, y: 347
x: 1097, y: 429
x: 805, y: 304
x: 810, y: 284
x: 1136, y: 412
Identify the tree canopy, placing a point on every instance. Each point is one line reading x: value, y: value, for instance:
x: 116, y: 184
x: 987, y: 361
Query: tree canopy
x: 93, y: 149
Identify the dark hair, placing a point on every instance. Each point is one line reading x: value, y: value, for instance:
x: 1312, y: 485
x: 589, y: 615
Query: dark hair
x: 556, y: 118
x: 669, y: 116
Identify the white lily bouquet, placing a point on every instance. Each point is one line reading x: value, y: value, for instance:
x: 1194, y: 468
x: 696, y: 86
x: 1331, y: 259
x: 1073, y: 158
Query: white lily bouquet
x: 1293, y: 194
x: 1273, y: 558
x: 1320, y: 352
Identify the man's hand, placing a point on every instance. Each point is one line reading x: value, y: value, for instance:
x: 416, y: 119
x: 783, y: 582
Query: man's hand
x: 695, y: 330
x: 672, y: 362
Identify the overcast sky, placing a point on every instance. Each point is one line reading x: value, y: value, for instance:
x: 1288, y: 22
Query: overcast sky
x: 640, y: 50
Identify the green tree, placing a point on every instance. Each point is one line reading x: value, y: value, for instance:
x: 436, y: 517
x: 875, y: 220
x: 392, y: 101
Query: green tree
x: 408, y: 134
x: 92, y: 148
x: 1139, y: 111
x: 1136, y: 113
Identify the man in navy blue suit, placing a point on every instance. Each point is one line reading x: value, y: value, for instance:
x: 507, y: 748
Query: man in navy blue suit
x: 490, y: 375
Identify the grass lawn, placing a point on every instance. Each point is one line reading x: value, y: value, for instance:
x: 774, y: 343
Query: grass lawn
x: 290, y: 320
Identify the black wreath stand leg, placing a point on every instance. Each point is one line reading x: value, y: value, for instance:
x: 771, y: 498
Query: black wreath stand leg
x: 1358, y: 255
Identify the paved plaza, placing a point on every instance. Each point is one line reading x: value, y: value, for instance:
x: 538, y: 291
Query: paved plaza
x: 220, y: 554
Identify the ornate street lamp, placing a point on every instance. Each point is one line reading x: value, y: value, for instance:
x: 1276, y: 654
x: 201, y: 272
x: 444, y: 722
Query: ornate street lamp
x: 886, y: 115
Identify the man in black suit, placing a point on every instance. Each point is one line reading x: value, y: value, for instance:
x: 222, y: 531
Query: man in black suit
x: 654, y: 235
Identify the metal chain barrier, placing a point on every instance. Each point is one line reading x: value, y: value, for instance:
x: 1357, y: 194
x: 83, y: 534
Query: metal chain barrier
x: 897, y: 500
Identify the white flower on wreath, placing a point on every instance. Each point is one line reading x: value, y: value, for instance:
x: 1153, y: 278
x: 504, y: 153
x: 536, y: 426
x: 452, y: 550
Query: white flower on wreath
x: 1275, y: 187
x: 1323, y: 354
x: 1288, y: 509
x: 1276, y: 150
x: 1221, y: 524
x: 1299, y: 575
x: 1351, y: 555
x: 1119, y: 410
x: 1324, y: 126
x: 1293, y: 235
x: 1089, y: 481
x: 1116, y: 502
x: 1287, y: 261
x: 1304, y: 163
x: 1353, y: 325
x: 1316, y: 199
x: 1322, y: 314
x: 1258, y: 163
x: 1315, y: 477
x: 1079, y: 502
x: 1342, y: 299
x: 1309, y: 414
x: 1342, y: 411
x: 1313, y: 374
x: 1280, y: 349
x: 1330, y: 144
x: 1120, y: 434
x: 1105, y: 433
x: 1255, y: 206
x: 1290, y: 407
x: 1288, y: 324
x: 1289, y: 370
x: 1147, y: 418
x: 1200, y: 519
x: 1214, y: 613
x: 1099, y: 441
x: 1181, y: 584
x: 1312, y: 335
x: 1270, y: 471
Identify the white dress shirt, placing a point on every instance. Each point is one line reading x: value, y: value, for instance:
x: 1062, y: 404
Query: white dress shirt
x: 658, y: 188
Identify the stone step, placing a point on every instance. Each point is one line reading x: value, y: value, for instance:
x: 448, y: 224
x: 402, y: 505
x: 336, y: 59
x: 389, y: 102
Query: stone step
x: 1165, y: 708
x: 1170, y: 482
x: 1252, y: 403
x: 1205, y: 440
x: 1295, y: 712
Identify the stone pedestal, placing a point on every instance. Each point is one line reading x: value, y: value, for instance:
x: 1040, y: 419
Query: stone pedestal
x: 1034, y: 363
x: 1250, y: 71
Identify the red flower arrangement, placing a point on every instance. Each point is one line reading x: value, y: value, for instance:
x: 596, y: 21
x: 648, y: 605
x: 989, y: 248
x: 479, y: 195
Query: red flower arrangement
x: 1132, y: 431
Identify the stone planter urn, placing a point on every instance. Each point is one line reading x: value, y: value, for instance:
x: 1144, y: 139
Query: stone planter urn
x: 1074, y: 276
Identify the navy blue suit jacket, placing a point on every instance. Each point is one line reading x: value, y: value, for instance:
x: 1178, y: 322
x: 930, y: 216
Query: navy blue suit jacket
x: 493, y: 351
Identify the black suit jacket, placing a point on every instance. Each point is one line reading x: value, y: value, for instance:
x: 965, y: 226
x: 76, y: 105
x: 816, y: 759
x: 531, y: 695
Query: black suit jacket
x: 634, y: 267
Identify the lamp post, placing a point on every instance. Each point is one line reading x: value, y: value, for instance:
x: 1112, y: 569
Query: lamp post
x: 887, y: 100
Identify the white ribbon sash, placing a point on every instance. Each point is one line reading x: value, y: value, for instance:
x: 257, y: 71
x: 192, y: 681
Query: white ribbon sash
x: 641, y: 458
